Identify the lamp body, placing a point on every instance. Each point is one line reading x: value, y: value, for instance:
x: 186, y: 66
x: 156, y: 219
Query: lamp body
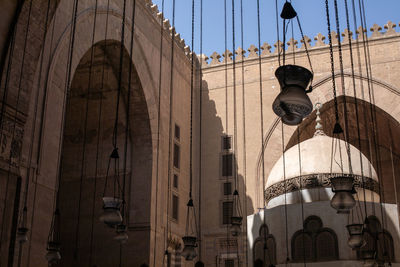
x: 343, y: 200
x: 53, y: 253
x: 22, y: 236
x: 293, y: 104
x: 356, y: 239
x: 369, y: 258
x: 236, y: 223
x: 111, y: 214
x: 122, y: 235
x: 189, y: 247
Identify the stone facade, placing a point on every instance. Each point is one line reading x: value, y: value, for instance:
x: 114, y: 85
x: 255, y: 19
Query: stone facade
x: 32, y: 132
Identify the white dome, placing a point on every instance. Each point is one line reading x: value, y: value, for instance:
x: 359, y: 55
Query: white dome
x: 316, y: 159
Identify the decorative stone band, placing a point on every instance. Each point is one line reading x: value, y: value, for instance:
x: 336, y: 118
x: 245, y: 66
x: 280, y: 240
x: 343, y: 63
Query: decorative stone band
x: 316, y: 181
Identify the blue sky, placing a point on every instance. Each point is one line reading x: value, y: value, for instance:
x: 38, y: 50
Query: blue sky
x: 311, y: 13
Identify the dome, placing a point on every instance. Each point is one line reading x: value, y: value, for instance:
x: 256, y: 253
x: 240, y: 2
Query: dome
x: 312, y: 182
x: 316, y: 159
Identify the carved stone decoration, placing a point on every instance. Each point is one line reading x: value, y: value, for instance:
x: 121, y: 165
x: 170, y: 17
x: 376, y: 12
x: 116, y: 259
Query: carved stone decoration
x: 390, y: 29
x: 154, y: 8
x: 278, y: 50
x: 335, y: 40
x: 11, y: 142
x: 315, y: 181
x: 227, y: 56
x: 240, y: 52
x: 345, y: 35
x: 292, y: 45
x: 215, y: 58
x: 203, y: 59
x: 266, y: 49
x: 359, y: 31
x: 253, y: 51
x: 319, y: 40
x: 375, y: 29
x: 166, y: 24
x: 305, y: 42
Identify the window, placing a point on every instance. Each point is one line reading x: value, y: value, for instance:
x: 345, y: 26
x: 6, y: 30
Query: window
x: 227, y: 189
x: 175, y: 207
x: 177, y: 132
x: 227, y: 211
x: 264, y: 248
x: 227, y: 165
x: 229, y: 263
x: 226, y: 142
x: 302, y: 247
x: 325, y: 245
x: 314, y: 242
x: 177, y: 156
x: 175, y: 182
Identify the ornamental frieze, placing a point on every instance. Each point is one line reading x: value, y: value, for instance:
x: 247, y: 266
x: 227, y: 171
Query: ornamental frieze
x: 312, y: 181
x: 11, y: 136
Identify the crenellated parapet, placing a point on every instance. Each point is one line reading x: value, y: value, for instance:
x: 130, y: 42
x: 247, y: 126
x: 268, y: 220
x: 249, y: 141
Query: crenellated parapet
x: 159, y: 16
x: 320, y: 41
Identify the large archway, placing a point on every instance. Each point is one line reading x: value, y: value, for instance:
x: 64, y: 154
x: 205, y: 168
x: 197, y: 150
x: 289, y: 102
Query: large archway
x: 85, y: 240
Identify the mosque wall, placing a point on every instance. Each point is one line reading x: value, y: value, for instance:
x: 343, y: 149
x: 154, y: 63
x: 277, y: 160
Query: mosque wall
x: 218, y: 91
x: 32, y: 129
x: 39, y: 124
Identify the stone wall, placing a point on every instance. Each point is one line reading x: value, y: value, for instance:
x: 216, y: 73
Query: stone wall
x: 41, y: 109
x: 218, y: 99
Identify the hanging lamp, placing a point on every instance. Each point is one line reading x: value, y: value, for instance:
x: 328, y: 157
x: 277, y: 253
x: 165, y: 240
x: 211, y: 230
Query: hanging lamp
x: 342, y: 185
x: 236, y: 219
x: 122, y: 235
x: 22, y: 231
x: 292, y: 104
x: 343, y: 200
x: 111, y: 215
x: 369, y: 258
x: 190, y: 238
x: 356, y: 239
x: 53, y: 254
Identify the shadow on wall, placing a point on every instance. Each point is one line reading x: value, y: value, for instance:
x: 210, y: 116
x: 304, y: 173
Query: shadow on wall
x: 219, y: 156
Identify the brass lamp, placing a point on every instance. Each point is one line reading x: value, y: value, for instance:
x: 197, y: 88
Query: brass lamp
x: 111, y: 215
x: 356, y: 239
x: 53, y: 252
x: 189, y: 247
x: 343, y: 200
x: 122, y: 235
x: 293, y: 104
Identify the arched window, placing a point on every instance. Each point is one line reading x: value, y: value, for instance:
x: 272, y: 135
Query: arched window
x: 314, y: 243
x: 325, y: 244
x: 378, y: 241
x: 302, y: 246
x: 264, y: 253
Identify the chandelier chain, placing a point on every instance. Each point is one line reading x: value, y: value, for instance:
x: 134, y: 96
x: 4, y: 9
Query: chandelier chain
x: 332, y: 62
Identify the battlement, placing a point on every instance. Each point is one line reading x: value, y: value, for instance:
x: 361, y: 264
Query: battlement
x: 292, y: 45
x: 159, y: 16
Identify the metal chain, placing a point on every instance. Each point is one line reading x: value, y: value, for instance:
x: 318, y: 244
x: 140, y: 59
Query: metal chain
x: 332, y: 62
